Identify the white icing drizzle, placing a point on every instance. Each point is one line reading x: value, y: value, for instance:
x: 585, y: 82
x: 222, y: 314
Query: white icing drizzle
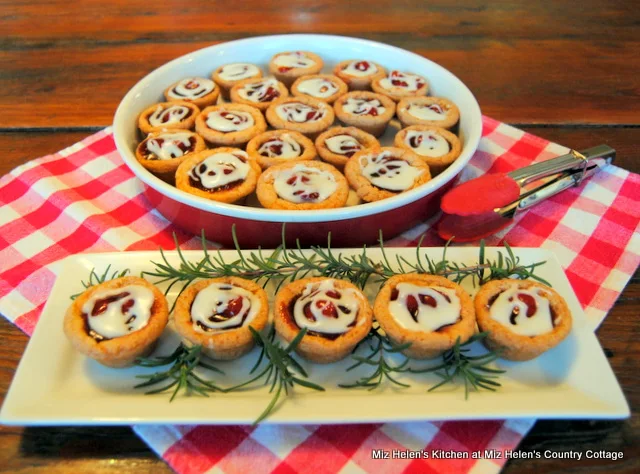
x: 318, y: 87
x: 265, y: 90
x: 192, y: 88
x: 238, y: 71
x: 414, y: 307
x: 363, y: 106
x: 128, y: 313
x: 427, y: 143
x: 221, y: 169
x: 334, y: 310
x: 387, y: 172
x: 360, y: 68
x: 172, y: 114
x: 209, y: 306
x: 343, y: 145
x: 427, y: 112
x: 282, y: 147
x: 229, y: 121
x: 299, y: 113
x: 293, y: 60
x: 509, y: 302
x: 166, y: 146
x: 410, y: 82
x: 304, y: 184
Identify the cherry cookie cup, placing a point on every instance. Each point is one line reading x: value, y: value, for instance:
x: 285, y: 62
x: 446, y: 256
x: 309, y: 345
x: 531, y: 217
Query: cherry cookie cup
x: 335, y: 313
x: 302, y: 185
x: 230, y: 124
x: 436, y: 146
x: 229, y: 75
x: 324, y: 87
x: 259, y: 92
x: 358, y: 74
x: 385, y: 172
x: 289, y: 66
x: 280, y: 146
x: 217, y: 314
x: 431, y: 312
x: 523, y: 318
x: 338, y: 144
x: 305, y: 115
x: 433, y: 111
x: 162, y: 152
x: 367, y: 111
x: 178, y: 115
x: 197, y: 90
x: 220, y: 174
x: 399, y: 85
x: 117, y: 321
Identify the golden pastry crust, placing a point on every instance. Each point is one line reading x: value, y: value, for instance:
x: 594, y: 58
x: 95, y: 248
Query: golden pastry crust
x: 289, y: 75
x: 336, y: 81
x: 124, y: 350
x: 270, y: 199
x: 232, y: 138
x: 369, y: 192
x: 193, y: 82
x: 225, y: 344
x: 425, y: 344
x: 451, y: 112
x: 514, y: 346
x: 185, y: 123
x: 165, y: 169
x: 230, y: 195
x: 372, y: 124
x: 366, y: 140
x: 280, y: 89
x: 311, y: 128
x: 355, y: 83
x: 436, y: 164
x: 399, y: 93
x: 226, y: 84
x: 317, y: 348
x: 308, y: 149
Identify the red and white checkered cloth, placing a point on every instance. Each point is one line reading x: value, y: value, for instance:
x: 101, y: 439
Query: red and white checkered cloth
x: 85, y: 199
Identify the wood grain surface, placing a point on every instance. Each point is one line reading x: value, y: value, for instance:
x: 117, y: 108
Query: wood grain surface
x: 566, y: 71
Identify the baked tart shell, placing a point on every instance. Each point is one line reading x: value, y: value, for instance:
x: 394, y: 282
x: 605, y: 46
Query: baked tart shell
x: 289, y: 77
x: 308, y: 148
x: 187, y: 124
x: 166, y: 169
x: 358, y: 83
x: 238, y: 138
x: 407, y: 119
x: 439, y: 163
x: 372, y: 124
x: 365, y: 139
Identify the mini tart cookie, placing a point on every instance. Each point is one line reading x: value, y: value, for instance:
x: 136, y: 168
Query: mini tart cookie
x: 385, y: 172
x: 176, y: 115
x: 220, y: 174
x: 217, y: 314
x: 230, y: 124
x: 162, y: 152
x: 524, y: 318
x: 324, y: 87
x: 117, y: 321
x: 368, y: 111
x: 335, y: 313
x: 338, y: 144
x: 197, y: 90
x: 280, y: 146
x: 399, y: 85
x: 358, y: 74
x: 258, y: 92
x: 289, y: 66
x: 428, y: 311
x: 434, y: 111
x: 228, y: 75
x: 436, y: 146
x: 302, y: 185
x: 306, y: 115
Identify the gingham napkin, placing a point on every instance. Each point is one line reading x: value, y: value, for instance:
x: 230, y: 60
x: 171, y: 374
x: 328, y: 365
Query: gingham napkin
x: 85, y: 199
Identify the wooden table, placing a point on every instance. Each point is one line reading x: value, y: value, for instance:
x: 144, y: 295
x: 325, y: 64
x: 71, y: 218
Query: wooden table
x: 567, y: 71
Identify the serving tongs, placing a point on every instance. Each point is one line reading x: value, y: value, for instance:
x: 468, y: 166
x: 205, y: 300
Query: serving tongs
x: 483, y: 206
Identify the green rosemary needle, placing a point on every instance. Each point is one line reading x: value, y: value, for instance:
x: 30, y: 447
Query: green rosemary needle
x: 96, y: 279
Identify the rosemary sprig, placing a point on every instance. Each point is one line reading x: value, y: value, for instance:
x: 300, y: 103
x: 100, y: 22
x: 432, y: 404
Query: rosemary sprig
x: 181, y: 375
x: 473, y: 370
x: 96, y: 279
x: 280, y: 371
